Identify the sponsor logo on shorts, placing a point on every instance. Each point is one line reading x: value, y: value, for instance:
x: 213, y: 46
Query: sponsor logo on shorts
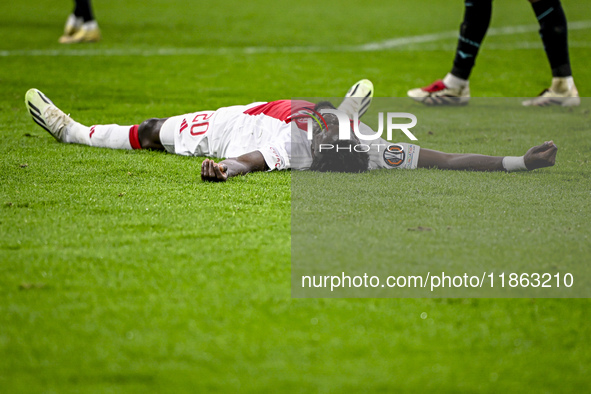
x: 394, y: 155
x: 279, y: 163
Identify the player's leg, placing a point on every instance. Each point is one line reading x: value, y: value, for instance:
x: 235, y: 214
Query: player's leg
x: 74, y: 22
x: 65, y: 129
x: 84, y: 9
x: 149, y: 133
x: 554, y: 34
x: 472, y: 31
x: 81, y: 25
x: 454, y: 88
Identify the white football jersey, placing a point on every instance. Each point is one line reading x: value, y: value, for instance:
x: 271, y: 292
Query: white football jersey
x: 270, y: 128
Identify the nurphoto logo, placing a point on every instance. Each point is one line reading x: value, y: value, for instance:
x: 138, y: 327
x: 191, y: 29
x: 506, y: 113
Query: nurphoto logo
x: 346, y: 125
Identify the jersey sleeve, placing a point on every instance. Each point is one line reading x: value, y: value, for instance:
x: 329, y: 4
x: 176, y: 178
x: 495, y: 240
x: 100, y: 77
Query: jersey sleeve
x: 389, y: 155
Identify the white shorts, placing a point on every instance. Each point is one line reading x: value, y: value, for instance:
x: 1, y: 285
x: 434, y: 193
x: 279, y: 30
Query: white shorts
x: 191, y: 143
x: 228, y: 132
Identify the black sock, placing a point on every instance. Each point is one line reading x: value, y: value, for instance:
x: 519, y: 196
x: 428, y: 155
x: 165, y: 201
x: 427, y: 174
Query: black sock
x: 83, y: 10
x: 554, y: 34
x: 472, y: 32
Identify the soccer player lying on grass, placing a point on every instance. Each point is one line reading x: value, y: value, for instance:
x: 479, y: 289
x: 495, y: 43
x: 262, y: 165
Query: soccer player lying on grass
x: 272, y: 136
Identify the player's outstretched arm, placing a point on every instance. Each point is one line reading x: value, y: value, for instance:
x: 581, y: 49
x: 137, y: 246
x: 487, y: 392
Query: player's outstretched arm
x: 537, y: 157
x: 241, y: 165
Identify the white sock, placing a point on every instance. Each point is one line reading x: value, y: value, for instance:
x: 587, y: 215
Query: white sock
x: 562, y: 84
x: 77, y: 133
x: 101, y: 136
x: 451, y: 81
x: 90, y: 25
x: 74, y: 20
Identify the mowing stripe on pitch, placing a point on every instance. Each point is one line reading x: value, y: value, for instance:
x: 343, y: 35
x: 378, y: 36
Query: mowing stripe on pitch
x: 406, y: 43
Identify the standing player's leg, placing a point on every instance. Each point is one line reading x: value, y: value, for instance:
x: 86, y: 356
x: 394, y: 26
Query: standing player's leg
x: 73, y: 23
x: 81, y: 25
x: 65, y: 129
x: 454, y: 88
x: 554, y: 34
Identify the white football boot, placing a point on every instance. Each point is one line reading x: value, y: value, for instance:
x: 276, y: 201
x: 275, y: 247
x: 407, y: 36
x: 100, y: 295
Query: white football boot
x: 87, y: 32
x: 562, y: 92
x: 358, y: 99
x: 47, y: 115
x: 439, y: 93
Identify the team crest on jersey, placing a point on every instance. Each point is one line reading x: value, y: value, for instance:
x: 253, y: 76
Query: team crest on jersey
x: 394, y: 155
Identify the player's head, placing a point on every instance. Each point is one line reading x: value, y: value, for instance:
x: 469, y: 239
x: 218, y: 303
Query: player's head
x: 339, y: 156
x: 329, y: 153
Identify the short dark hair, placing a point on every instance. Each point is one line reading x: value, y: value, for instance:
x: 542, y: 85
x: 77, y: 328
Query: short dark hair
x: 341, y: 158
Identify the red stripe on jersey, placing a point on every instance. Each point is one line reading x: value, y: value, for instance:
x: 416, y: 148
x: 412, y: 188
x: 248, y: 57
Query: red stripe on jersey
x: 281, y: 109
x: 134, y: 139
x: 184, y: 125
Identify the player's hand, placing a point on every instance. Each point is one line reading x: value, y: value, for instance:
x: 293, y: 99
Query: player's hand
x: 213, y: 172
x: 541, y: 156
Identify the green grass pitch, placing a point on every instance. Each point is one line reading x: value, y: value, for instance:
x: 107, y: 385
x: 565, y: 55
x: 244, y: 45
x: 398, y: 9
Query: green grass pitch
x: 122, y: 271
